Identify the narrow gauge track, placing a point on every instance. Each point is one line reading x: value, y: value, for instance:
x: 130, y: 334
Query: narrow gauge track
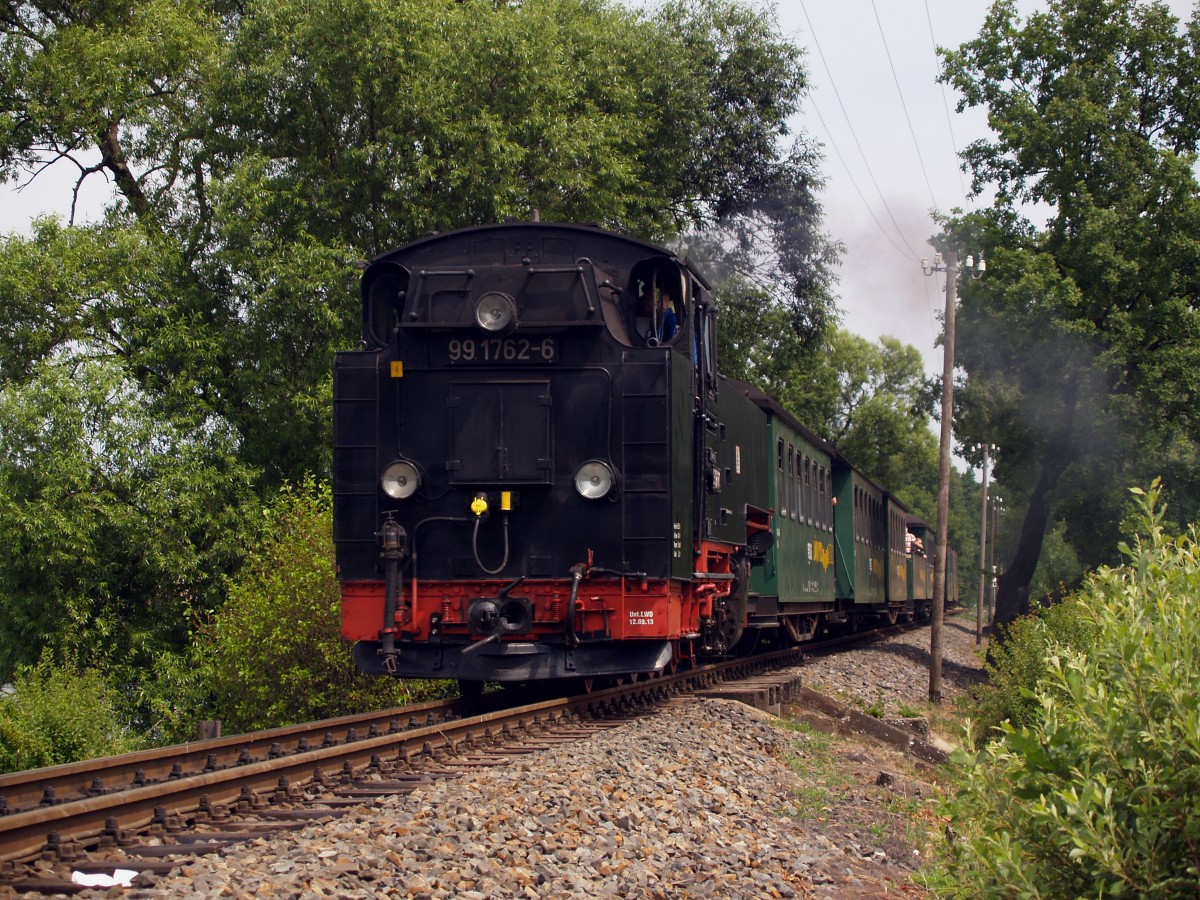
x: 23, y: 791
x: 266, y: 789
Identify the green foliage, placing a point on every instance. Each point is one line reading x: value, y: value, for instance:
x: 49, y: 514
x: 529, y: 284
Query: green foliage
x: 116, y: 527
x: 1018, y: 665
x: 273, y: 654
x: 1082, y: 343
x: 1058, y: 566
x: 58, y: 713
x: 1098, y: 795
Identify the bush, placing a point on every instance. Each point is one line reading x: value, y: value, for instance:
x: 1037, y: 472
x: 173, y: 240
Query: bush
x: 273, y: 654
x: 1100, y: 795
x: 1017, y: 664
x: 58, y: 713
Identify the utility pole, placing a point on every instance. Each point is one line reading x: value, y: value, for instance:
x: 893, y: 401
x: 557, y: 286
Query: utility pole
x: 996, y: 501
x: 950, y: 267
x: 943, y: 503
x: 984, y: 574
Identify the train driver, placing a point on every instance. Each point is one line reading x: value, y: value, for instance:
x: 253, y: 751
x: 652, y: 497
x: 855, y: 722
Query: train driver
x: 669, y: 322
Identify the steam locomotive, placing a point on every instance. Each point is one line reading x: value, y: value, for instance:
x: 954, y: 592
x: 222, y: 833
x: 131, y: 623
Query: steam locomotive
x: 541, y: 474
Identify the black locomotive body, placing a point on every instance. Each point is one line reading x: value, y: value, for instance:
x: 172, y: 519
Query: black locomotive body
x: 540, y: 474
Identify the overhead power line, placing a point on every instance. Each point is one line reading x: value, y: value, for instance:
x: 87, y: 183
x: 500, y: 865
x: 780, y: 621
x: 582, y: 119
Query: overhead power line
x: 946, y: 105
x: 857, y: 189
x: 833, y: 85
x: 904, y: 106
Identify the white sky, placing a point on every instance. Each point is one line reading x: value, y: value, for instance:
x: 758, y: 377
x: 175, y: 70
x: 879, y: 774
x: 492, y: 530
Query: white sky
x: 886, y: 127
x: 891, y: 136
x: 890, y: 161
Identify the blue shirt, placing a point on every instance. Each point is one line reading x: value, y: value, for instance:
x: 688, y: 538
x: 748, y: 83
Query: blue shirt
x: 669, y: 325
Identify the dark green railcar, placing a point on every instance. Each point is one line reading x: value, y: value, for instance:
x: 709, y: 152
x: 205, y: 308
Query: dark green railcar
x: 870, y: 537
x: 795, y: 584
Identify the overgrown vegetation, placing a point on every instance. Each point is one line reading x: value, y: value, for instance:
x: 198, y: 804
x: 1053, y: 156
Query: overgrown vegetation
x: 274, y: 654
x: 58, y: 712
x: 1021, y: 661
x: 1097, y: 794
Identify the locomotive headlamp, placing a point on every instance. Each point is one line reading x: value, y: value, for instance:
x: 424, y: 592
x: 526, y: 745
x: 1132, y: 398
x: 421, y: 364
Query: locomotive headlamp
x: 595, y: 479
x: 400, y: 480
x: 496, y: 312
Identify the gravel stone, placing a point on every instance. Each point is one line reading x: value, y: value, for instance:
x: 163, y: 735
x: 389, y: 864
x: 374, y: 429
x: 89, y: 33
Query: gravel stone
x: 701, y: 799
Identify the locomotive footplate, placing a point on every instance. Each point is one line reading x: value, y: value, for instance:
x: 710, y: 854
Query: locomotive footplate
x: 515, y: 660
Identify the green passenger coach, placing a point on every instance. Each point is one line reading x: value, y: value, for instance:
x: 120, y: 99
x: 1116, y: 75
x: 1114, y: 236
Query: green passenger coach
x: 800, y: 486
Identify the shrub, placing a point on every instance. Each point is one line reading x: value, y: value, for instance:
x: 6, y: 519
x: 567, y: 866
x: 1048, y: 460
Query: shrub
x: 273, y: 654
x: 1100, y: 795
x: 58, y: 713
x: 1017, y: 664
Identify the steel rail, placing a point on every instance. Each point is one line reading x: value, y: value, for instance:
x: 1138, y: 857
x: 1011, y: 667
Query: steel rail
x: 23, y: 791
x: 25, y: 835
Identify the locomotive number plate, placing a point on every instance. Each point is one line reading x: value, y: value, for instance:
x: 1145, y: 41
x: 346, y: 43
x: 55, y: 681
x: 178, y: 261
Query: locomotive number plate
x: 502, y: 350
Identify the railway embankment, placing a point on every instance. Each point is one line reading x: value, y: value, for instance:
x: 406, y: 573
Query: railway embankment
x: 708, y: 798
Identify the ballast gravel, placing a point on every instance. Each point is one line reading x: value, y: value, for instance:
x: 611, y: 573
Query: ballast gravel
x: 693, y: 802
x: 705, y: 798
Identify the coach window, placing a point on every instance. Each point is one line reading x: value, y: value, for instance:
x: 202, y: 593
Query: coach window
x: 808, y: 494
x: 798, y: 505
x: 801, y: 500
x: 805, y: 505
x: 780, y: 479
x: 791, y: 481
x: 821, y: 517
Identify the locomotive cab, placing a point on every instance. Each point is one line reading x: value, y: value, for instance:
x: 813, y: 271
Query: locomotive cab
x: 655, y: 303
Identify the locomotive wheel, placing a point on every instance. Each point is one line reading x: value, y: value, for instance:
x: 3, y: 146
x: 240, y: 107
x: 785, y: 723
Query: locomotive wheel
x: 730, y: 611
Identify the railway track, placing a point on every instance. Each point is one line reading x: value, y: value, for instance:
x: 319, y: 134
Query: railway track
x: 152, y: 811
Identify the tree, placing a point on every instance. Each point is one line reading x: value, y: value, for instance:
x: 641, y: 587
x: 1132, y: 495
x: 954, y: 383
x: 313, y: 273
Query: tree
x: 1082, y: 345
x: 259, y: 151
x: 116, y: 527
x: 264, y: 148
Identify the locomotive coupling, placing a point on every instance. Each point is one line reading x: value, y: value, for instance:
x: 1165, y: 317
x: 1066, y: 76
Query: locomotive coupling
x: 501, y: 614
